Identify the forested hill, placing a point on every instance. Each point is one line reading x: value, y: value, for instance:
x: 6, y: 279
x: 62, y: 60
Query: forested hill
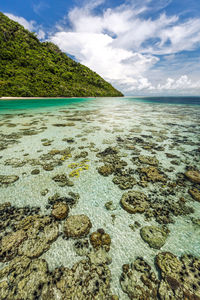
x: 29, y: 68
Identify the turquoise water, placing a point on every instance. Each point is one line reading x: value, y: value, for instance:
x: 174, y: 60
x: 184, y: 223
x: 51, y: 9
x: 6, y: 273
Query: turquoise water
x: 38, y: 103
x: 136, y: 128
x: 45, y: 103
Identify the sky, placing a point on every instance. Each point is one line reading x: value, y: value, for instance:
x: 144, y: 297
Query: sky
x: 142, y: 47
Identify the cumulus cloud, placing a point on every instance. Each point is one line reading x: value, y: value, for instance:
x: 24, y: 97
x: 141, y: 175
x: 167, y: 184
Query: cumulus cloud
x: 124, y: 47
x: 29, y: 25
x: 182, y: 83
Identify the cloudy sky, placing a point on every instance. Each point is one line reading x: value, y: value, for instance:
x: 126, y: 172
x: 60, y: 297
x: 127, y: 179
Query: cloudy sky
x: 142, y: 47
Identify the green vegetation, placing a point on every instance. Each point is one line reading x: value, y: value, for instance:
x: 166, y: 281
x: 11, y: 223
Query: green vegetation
x: 29, y: 68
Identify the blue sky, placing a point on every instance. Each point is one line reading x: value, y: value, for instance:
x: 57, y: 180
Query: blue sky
x: 149, y: 47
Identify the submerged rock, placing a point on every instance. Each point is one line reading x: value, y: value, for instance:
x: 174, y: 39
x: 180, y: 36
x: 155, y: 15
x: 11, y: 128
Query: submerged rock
x: 195, y: 193
x: 85, y: 280
x: 62, y: 180
x: 11, y: 216
x: 105, y: 170
x: 179, y: 278
x: 71, y: 199
x: 134, y: 202
x: 60, y: 124
x: 15, y: 162
x: 195, y: 221
x: 134, y: 226
x: 153, y: 174
x: 10, y: 243
x: 100, y: 239
x: 168, y: 263
x: 23, y: 279
x: 170, y: 155
x: 77, y: 226
x: 32, y: 235
x: 48, y: 143
x: 138, y: 281
x: 149, y: 160
x: 154, y: 236
x: 44, y: 192
x: 165, y: 210
x: 82, y: 154
x: 4, y: 207
x: 35, y: 172
x: 108, y: 151
x: 60, y: 210
x: 41, y: 232
x: 81, y: 247
x: 110, y: 206
x: 8, y: 179
x: 27, y: 277
x: 193, y: 176
x: 99, y: 256
x: 48, y: 167
x: 124, y: 182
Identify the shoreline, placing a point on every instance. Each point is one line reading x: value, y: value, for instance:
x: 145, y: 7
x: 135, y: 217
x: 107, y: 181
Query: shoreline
x: 29, y: 98
x: 150, y: 96
x: 38, y: 98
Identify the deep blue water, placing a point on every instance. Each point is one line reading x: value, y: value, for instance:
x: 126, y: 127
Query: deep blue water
x: 24, y: 104
x: 192, y: 100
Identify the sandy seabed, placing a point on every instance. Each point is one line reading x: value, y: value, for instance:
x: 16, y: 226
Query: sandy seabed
x: 146, y: 148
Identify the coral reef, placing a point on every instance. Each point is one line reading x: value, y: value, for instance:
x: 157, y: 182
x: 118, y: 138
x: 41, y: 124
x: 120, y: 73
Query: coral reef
x: 193, y: 176
x: 149, y: 160
x: 100, y: 239
x: 138, y: 281
x: 105, y: 170
x: 124, y: 182
x: 60, y: 210
x: 71, y: 199
x: 154, y: 236
x: 134, y: 202
x: 152, y: 174
x: 8, y: 179
x: 179, y: 278
x: 77, y: 226
x: 62, y: 180
x: 195, y: 193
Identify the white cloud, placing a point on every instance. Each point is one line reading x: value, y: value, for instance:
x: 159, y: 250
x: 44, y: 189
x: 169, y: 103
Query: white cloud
x: 29, y: 25
x: 41, y: 34
x: 123, y: 47
x: 39, y: 7
x: 185, y: 36
x: 134, y: 52
x: 182, y: 83
x: 120, y: 66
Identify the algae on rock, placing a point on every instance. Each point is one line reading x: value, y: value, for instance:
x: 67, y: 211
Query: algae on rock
x: 154, y: 236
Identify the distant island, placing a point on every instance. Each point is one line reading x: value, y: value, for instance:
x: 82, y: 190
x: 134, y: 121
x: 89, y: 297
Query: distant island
x: 30, y: 68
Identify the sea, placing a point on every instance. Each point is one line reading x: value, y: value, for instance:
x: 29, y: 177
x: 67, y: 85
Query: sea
x: 76, y: 137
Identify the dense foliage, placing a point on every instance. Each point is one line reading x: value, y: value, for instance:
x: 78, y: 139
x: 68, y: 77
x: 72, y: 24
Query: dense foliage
x: 31, y: 68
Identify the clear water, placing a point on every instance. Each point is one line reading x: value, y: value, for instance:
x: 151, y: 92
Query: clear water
x: 98, y: 123
x: 20, y: 104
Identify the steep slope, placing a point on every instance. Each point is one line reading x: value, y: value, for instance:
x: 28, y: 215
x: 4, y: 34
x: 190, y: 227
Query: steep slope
x: 31, y: 68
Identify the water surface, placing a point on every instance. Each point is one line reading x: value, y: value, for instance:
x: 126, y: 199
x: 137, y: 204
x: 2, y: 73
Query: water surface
x: 164, y: 128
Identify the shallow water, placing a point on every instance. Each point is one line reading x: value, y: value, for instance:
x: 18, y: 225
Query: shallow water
x: 94, y: 125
